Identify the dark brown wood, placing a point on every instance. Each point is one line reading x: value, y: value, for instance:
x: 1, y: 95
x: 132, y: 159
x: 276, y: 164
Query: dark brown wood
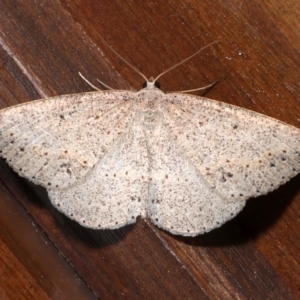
x: 44, y: 44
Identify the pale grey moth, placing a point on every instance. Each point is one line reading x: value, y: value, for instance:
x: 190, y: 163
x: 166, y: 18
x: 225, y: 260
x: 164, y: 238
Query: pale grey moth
x: 188, y: 163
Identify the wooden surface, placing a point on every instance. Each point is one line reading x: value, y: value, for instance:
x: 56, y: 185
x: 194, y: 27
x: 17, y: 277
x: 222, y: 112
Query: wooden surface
x: 45, y: 43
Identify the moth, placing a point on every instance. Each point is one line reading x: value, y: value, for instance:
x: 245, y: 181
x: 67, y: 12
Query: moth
x: 188, y: 163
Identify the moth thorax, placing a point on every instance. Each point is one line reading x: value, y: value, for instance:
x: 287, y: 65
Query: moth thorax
x: 150, y: 119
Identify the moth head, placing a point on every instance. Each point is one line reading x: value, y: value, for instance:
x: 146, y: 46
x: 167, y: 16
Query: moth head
x: 151, y: 84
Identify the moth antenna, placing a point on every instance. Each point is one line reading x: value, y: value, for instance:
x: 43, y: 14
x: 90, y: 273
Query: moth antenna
x: 123, y: 59
x: 90, y: 84
x: 197, y: 89
x: 183, y: 61
x: 105, y: 85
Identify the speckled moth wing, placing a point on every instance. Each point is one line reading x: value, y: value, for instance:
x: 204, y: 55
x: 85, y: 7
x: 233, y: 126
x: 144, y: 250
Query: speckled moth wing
x: 115, y: 191
x: 54, y: 142
x: 181, y: 200
x: 240, y: 153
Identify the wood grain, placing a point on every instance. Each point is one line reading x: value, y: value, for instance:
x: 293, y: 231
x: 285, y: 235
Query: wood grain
x: 44, y: 44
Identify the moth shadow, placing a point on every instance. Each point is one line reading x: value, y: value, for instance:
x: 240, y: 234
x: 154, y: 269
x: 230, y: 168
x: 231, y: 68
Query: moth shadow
x: 258, y: 215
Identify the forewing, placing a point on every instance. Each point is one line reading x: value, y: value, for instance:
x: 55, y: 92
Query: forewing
x: 240, y: 153
x: 54, y: 142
